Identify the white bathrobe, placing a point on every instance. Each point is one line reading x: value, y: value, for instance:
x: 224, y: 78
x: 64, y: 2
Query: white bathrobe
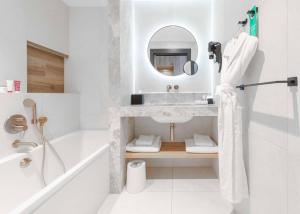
x: 236, y: 58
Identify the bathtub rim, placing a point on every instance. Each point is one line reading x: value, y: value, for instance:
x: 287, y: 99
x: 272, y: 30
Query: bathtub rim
x: 41, y: 197
x: 10, y: 157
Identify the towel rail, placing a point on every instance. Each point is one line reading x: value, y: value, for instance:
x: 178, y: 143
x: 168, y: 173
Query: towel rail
x: 291, y: 81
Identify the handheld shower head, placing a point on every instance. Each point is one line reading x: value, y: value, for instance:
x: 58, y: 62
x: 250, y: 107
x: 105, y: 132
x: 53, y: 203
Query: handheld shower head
x: 29, y: 103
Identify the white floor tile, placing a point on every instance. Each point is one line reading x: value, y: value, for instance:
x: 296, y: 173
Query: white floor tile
x: 108, y: 204
x: 172, y: 191
x: 195, y: 185
x: 143, y: 203
x: 199, y: 202
x: 159, y: 185
x: 194, y: 179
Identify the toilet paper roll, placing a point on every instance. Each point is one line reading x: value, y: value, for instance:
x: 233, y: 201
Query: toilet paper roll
x: 136, y: 176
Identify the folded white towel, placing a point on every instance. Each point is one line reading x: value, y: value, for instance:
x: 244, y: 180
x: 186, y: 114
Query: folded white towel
x: 190, y: 147
x: 203, y: 140
x: 145, y: 140
x: 155, y: 147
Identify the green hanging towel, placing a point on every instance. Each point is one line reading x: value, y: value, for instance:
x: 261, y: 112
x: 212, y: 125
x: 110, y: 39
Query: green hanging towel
x: 253, y: 21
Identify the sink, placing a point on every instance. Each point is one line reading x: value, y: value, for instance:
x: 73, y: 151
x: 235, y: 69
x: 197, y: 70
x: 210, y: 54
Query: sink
x: 172, y: 119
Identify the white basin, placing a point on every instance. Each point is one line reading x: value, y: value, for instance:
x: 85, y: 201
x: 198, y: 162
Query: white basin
x: 172, y: 119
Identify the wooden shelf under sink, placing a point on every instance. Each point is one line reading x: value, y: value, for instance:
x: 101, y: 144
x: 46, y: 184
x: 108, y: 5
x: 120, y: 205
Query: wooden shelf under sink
x: 170, y: 150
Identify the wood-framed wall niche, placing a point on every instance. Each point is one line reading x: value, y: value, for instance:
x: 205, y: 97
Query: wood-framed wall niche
x: 45, y: 69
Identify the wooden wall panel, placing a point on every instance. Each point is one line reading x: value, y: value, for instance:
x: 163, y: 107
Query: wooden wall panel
x: 45, y: 71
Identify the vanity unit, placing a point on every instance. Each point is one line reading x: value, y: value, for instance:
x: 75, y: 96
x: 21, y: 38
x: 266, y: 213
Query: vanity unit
x: 172, y: 114
x: 170, y: 111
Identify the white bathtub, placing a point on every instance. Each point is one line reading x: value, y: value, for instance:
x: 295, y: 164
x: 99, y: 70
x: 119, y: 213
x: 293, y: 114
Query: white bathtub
x: 82, y: 189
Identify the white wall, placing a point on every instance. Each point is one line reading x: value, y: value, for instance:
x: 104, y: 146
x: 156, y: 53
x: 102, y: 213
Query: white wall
x: 87, y: 67
x: 293, y: 100
x: 42, y: 22
x: 126, y: 53
x: 62, y: 111
x: 150, y: 16
x: 271, y: 112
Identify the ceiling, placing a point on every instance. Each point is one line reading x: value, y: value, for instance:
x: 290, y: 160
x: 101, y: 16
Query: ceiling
x: 85, y: 3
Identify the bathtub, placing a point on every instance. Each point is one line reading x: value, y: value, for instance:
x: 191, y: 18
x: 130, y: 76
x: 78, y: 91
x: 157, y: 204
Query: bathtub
x: 82, y: 189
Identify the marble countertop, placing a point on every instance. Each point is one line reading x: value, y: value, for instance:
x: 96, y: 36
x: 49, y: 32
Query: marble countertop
x: 180, y: 110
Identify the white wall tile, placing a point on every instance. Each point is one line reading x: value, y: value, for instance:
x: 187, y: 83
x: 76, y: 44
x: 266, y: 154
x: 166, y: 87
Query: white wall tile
x: 294, y: 70
x: 268, y: 104
x: 86, y: 70
x: 268, y: 177
x: 293, y: 184
x: 293, y: 109
x: 62, y: 111
x: 41, y: 22
x: 273, y: 111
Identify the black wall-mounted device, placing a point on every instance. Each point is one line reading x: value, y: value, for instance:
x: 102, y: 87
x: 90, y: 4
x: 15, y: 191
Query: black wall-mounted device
x: 215, y: 52
x: 210, y: 101
x: 137, y: 99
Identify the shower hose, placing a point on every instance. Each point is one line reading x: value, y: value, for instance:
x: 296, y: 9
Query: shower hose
x: 46, y: 143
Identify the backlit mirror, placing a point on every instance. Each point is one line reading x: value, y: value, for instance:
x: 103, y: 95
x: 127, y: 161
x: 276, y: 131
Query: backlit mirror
x: 170, y: 48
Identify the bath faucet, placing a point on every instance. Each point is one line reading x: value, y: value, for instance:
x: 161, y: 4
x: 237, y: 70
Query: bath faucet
x: 18, y: 143
x: 42, y: 121
x: 25, y: 162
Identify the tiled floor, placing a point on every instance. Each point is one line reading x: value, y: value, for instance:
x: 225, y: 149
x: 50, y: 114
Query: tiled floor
x: 172, y: 191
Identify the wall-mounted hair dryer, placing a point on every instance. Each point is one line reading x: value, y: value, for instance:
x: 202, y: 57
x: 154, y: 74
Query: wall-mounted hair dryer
x: 215, y: 52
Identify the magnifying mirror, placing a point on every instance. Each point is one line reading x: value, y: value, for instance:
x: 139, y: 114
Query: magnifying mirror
x: 190, y: 68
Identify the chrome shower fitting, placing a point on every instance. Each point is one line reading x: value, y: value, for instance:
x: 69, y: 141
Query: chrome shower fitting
x: 15, y: 124
x: 25, y: 162
x: 169, y: 88
x: 42, y: 121
x: 29, y: 103
x: 18, y: 143
x: 176, y: 88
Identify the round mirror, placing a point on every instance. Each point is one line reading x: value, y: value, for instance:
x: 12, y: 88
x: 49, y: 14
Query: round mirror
x: 190, y: 68
x: 170, y: 48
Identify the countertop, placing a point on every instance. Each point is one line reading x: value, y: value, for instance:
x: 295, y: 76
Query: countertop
x: 178, y: 110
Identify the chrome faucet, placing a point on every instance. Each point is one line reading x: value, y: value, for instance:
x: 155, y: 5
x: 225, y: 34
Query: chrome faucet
x: 18, y: 143
x: 176, y: 88
x: 169, y: 88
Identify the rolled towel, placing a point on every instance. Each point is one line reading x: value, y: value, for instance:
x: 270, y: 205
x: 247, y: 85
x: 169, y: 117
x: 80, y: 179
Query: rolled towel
x: 145, y: 140
x: 203, y: 140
